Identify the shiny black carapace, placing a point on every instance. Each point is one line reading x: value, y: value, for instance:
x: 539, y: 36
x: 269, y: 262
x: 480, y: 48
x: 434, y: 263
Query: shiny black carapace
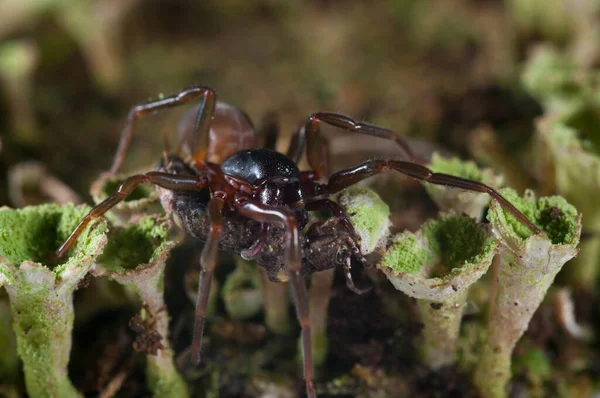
x: 220, y: 180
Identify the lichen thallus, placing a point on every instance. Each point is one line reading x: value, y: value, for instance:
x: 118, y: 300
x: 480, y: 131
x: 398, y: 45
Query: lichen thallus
x: 248, y: 200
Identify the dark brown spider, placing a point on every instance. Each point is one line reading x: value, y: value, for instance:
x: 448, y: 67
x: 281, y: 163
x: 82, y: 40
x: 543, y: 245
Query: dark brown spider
x: 255, y: 201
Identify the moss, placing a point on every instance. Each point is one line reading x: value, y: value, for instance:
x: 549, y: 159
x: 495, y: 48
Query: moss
x: 140, y: 192
x: 134, y: 245
x: 407, y: 255
x: 457, y: 167
x: 34, y: 233
x: 553, y: 215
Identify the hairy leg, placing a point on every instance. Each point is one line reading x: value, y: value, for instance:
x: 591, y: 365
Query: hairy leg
x: 164, y: 180
x: 267, y: 214
x: 346, y: 178
x: 207, y: 98
x: 208, y: 260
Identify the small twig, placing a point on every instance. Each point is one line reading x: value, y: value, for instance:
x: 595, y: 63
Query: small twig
x: 115, y: 384
x: 564, y: 309
x: 32, y: 174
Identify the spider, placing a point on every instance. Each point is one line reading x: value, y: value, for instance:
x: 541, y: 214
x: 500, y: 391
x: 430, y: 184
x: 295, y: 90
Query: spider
x: 237, y: 197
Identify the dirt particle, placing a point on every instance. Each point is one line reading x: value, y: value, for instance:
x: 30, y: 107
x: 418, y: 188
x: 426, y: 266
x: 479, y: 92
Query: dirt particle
x: 554, y: 213
x: 148, y: 340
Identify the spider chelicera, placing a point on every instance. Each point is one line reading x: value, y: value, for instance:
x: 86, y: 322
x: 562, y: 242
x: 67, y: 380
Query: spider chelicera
x: 244, y: 199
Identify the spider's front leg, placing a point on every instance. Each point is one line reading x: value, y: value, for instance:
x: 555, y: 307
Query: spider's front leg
x: 164, y: 180
x: 346, y: 178
x: 267, y: 214
x: 208, y: 100
x: 317, y: 146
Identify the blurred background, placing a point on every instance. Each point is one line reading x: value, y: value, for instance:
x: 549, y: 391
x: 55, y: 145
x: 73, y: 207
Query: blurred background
x: 446, y: 74
x: 430, y: 70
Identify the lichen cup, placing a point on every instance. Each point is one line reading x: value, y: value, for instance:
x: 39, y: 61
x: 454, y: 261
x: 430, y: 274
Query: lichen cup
x: 458, y: 200
x: 527, y: 267
x: 41, y: 295
x: 136, y: 256
x: 577, y: 177
x: 437, y: 265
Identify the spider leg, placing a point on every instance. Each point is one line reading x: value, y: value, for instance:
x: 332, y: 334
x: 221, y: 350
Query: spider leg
x: 297, y: 143
x: 205, y: 112
x: 260, y: 212
x: 350, y: 282
x: 318, y: 150
x: 208, y: 260
x: 164, y: 180
x: 269, y: 130
x: 337, y: 211
x: 346, y: 178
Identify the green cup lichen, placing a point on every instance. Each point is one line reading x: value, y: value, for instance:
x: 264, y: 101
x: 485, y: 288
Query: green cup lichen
x: 552, y: 214
x: 527, y: 267
x: 437, y: 265
x: 41, y: 296
x: 369, y: 215
x: 276, y: 303
x: 242, y: 293
x: 576, y: 165
x: 142, y: 201
x: 568, y: 143
x: 458, y: 200
x: 136, y: 256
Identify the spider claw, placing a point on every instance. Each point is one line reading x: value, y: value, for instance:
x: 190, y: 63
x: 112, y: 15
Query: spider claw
x: 350, y: 281
x: 358, y: 290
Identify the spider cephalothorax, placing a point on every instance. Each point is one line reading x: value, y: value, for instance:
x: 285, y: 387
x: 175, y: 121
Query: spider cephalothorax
x: 232, y: 195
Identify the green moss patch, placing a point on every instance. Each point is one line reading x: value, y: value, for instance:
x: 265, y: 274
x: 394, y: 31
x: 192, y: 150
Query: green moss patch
x: 552, y: 214
x: 140, y: 192
x: 34, y: 233
x: 446, y: 244
x: 136, y: 244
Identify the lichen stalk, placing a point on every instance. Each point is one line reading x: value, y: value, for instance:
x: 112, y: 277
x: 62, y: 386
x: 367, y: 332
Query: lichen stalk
x: 242, y: 291
x: 44, y: 335
x: 527, y: 267
x: 9, y: 361
x: 441, y: 327
x: 276, y: 304
x: 18, y: 60
x: 319, y: 297
x: 437, y: 265
x: 147, y: 278
x: 41, y: 296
